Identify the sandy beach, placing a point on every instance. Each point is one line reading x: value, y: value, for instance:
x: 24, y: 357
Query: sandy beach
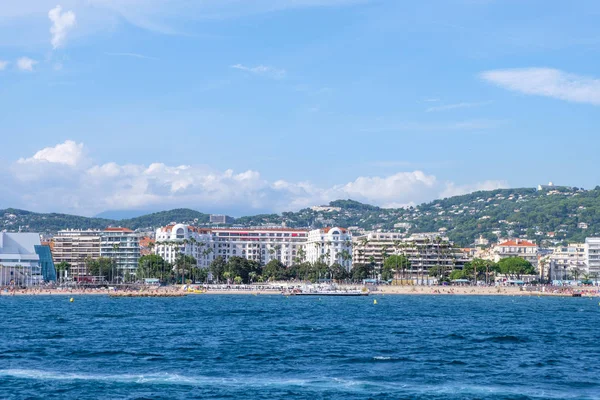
x: 276, y: 290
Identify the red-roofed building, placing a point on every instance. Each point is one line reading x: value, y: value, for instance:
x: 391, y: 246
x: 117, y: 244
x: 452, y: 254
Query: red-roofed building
x: 146, y: 245
x: 517, y: 248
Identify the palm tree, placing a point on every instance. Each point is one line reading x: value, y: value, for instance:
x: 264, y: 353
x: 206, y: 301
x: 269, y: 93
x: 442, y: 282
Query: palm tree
x: 300, y: 255
x: 115, y: 248
x: 384, y: 256
x: 317, y: 248
x: 62, y: 268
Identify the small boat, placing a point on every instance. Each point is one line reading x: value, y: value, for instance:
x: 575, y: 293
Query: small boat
x: 328, y: 290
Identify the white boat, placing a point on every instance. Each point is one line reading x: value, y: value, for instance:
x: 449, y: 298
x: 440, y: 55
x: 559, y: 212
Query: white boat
x: 325, y: 290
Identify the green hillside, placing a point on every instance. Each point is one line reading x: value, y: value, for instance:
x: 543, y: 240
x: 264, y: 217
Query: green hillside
x: 563, y: 214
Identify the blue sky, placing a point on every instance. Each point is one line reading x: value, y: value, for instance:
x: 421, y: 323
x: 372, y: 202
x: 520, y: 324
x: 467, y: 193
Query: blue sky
x: 269, y: 105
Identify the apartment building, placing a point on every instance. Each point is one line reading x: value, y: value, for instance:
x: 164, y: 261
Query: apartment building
x: 565, y: 260
x: 517, y: 248
x: 330, y: 245
x: 123, y: 246
x: 74, y: 247
x: 423, y: 250
x: 592, y: 255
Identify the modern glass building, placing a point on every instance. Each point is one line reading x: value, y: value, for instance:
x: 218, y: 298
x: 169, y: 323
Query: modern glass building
x: 23, y: 260
x: 47, y: 268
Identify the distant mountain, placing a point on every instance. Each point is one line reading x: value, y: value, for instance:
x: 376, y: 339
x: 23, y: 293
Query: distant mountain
x: 13, y: 219
x: 546, y: 216
x: 121, y: 214
x: 155, y: 220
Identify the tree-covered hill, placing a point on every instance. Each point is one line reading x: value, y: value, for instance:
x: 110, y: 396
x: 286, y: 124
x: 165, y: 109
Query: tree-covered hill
x: 14, y: 220
x: 546, y: 216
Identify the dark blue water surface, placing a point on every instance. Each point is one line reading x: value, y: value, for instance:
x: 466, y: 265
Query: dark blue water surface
x: 271, y: 347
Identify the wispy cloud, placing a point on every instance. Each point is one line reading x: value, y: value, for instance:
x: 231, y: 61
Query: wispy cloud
x: 547, y: 82
x: 467, y: 125
x: 26, y: 64
x: 133, y: 55
x: 431, y: 100
x: 264, y: 70
x: 3, y: 65
x: 62, y: 22
x: 455, y: 106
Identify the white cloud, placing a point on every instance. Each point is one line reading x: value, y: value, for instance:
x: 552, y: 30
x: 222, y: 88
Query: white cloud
x: 26, y: 64
x: 62, y: 178
x: 163, y: 16
x: 67, y: 153
x: 62, y: 22
x: 3, y: 65
x: 457, y: 190
x: 262, y: 70
x: 456, y: 106
x: 547, y: 82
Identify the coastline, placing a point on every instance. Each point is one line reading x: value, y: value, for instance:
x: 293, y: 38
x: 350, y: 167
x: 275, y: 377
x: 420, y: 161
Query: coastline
x: 378, y: 291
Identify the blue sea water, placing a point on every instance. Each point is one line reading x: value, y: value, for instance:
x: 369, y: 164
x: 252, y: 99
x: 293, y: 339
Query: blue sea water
x: 273, y: 347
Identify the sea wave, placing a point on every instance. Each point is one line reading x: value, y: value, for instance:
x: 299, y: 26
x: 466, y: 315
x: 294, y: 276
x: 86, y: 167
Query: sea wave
x: 252, y: 383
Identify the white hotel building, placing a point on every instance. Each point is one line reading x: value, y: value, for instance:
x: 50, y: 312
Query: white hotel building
x: 330, y: 245
x: 261, y: 244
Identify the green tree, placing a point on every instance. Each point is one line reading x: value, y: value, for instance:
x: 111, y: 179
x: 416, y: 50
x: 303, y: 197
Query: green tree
x: 393, y: 264
x: 201, y: 274
x: 151, y: 266
x: 183, y: 266
x: 458, y: 274
x: 360, y: 272
x: 338, y: 272
x: 217, y: 268
x: 515, y: 267
x: 480, y: 270
x: 242, y: 267
x: 62, y: 268
x: 274, y: 270
x: 103, y: 267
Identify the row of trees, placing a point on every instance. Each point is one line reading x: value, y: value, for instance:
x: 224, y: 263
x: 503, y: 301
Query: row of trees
x: 479, y: 270
x: 242, y: 270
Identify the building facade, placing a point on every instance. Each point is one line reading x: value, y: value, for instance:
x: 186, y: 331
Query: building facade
x: 172, y: 240
x: 330, y: 245
x: 423, y: 250
x: 566, y: 261
x: 592, y: 256
x: 517, y: 248
x: 23, y: 260
x: 74, y: 247
x: 260, y: 244
x: 220, y: 219
x: 123, y: 246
